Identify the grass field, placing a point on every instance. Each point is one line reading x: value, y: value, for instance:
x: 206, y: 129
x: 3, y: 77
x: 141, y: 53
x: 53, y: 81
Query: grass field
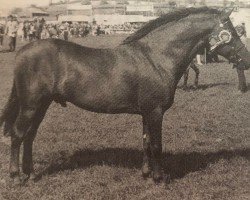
x: 80, y: 155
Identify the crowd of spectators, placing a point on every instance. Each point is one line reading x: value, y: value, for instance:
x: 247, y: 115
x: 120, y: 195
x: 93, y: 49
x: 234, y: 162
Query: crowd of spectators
x: 39, y: 29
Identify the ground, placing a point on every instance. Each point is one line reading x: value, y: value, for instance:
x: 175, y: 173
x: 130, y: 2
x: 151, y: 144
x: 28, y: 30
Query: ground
x: 84, y: 155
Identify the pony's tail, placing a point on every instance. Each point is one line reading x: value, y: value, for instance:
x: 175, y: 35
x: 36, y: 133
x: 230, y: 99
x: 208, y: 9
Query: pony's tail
x: 10, y: 112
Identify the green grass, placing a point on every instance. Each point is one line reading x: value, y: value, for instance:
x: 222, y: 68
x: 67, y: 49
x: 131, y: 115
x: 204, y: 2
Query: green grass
x: 84, y: 155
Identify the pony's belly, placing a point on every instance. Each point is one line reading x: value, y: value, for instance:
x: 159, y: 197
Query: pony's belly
x: 105, y: 102
x: 108, y: 107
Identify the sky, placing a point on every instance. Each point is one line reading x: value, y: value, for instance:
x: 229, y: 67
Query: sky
x: 8, y: 4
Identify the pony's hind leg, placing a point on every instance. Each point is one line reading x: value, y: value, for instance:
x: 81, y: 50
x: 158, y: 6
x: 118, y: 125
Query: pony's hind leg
x: 146, y: 167
x: 21, y: 126
x: 27, y: 162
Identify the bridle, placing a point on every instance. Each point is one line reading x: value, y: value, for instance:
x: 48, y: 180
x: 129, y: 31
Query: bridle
x: 221, y: 37
x: 234, y: 57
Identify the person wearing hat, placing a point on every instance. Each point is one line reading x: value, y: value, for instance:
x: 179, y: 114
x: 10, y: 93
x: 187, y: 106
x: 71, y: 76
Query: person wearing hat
x: 11, y: 31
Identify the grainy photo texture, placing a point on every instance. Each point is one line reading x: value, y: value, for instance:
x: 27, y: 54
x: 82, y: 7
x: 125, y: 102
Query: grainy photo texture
x: 124, y: 99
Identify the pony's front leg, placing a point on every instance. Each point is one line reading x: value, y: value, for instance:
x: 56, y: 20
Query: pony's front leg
x: 146, y: 167
x: 154, y: 119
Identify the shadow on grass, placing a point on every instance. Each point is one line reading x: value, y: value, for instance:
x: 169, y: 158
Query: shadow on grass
x: 5, y: 51
x: 202, y: 86
x: 248, y: 87
x: 176, y: 165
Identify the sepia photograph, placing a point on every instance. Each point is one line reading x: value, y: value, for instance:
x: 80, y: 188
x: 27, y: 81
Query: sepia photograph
x: 125, y: 100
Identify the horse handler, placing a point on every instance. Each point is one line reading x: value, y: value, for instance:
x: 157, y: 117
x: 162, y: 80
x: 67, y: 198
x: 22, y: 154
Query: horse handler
x: 11, y: 31
x: 1, y: 34
x: 241, y: 31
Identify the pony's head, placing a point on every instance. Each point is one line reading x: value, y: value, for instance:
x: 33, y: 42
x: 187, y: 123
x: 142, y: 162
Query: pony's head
x: 225, y: 41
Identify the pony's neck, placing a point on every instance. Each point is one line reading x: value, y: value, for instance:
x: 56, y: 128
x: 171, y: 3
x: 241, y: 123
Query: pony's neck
x: 179, y: 41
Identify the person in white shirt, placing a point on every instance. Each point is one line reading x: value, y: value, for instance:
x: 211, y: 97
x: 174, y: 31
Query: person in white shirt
x: 11, y: 31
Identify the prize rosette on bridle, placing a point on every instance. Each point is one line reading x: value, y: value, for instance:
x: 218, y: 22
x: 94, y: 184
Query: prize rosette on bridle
x: 222, y: 36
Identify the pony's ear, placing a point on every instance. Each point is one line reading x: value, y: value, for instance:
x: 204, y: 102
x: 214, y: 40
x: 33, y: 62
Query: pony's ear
x: 226, y: 13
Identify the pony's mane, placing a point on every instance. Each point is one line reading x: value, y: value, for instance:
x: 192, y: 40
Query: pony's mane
x: 169, y: 17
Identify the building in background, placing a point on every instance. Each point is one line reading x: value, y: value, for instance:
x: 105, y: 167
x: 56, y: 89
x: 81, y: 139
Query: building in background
x: 32, y: 12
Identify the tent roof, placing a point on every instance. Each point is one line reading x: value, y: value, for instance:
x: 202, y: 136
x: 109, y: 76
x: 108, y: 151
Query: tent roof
x: 75, y: 18
x: 36, y: 10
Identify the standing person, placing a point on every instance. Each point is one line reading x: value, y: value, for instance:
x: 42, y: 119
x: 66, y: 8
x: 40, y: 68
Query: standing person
x: 38, y: 28
x: 11, y: 31
x: 66, y: 31
x: 244, y: 34
x: 241, y: 31
x: 26, y: 29
x: 1, y: 34
x: 31, y: 32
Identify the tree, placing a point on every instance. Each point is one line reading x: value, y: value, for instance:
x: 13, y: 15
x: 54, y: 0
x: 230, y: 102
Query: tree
x: 203, y: 2
x: 190, y: 2
x: 225, y: 2
x: 16, y: 10
x: 33, y: 5
x: 86, y: 2
x: 172, y: 3
x: 104, y: 2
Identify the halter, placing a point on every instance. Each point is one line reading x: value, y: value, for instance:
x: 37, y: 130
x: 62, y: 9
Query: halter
x: 235, y: 55
x: 220, y: 37
x: 224, y: 36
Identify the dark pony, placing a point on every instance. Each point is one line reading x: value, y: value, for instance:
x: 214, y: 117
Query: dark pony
x: 139, y: 76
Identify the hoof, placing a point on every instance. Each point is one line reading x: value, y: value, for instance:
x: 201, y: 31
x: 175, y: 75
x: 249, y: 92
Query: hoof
x: 16, y: 181
x: 167, y: 179
x: 185, y: 88
x: 28, y: 178
x: 242, y: 91
x: 32, y: 177
x: 196, y: 87
x: 157, y: 177
x: 146, y: 172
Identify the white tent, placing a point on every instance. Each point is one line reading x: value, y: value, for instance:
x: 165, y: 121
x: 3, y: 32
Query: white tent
x: 140, y: 8
x: 78, y: 6
x: 120, y: 19
x: 74, y: 18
